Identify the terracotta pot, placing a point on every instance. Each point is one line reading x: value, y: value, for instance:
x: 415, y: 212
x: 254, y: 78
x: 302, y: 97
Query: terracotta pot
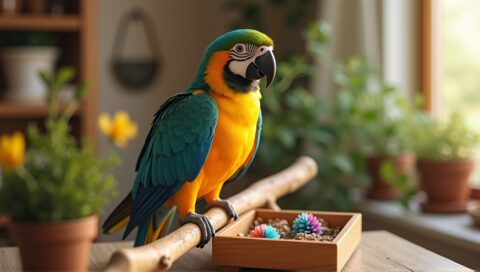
x: 62, y: 246
x: 380, y: 189
x: 475, y: 192
x: 446, y: 184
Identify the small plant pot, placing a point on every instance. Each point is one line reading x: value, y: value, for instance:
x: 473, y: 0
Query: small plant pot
x: 475, y: 192
x: 380, y: 189
x: 446, y: 184
x: 231, y: 251
x: 62, y: 246
x: 21, y: 67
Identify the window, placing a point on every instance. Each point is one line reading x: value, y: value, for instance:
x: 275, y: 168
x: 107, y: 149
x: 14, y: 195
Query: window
x: 461, y: 64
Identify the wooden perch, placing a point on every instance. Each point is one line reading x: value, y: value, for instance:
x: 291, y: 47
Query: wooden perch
x: 159, y: 255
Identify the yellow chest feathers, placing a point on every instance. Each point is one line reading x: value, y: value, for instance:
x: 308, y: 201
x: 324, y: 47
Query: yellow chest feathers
x: 241, y: 110
x: 234, y: 139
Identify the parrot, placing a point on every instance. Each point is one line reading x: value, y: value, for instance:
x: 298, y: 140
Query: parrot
x: 199, y: 139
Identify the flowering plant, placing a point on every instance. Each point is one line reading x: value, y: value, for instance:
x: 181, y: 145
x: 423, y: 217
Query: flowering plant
x: 56, y: 178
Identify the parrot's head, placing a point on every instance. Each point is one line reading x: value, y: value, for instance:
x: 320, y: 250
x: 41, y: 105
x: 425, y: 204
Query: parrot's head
x: 236, y: 61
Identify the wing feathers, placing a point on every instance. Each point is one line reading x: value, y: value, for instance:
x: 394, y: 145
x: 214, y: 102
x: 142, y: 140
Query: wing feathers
x: 175, y: 150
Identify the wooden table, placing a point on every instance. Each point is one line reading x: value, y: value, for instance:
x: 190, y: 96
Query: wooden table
x: 378, y: 251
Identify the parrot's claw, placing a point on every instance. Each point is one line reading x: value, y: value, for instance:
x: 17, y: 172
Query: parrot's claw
x: 203, y: 223
x: 226, y: 205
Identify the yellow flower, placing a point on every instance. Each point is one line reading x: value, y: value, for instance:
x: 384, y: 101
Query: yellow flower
x: 12, y: 151
x: 120, y: 129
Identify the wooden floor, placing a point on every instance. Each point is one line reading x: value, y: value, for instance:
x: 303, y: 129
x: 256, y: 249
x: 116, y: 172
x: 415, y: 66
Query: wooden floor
x: 378, y: 251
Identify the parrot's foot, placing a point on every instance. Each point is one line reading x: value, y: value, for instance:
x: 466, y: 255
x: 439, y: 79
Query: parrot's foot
x: 203, y: 223
x: 226, y: 205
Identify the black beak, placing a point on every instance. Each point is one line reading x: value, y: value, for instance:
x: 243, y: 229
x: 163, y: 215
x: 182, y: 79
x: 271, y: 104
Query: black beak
x: 263, y: 66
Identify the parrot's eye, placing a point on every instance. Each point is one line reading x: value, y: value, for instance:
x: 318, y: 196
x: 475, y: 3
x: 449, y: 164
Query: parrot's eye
x: 240, y: 48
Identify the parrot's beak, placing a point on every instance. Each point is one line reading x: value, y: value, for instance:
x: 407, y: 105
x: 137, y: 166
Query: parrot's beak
x: 263, y: 66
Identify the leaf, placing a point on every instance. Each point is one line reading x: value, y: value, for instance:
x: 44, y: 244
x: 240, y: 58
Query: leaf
x: 65, y: 75
x: 81, y: 90
x: 323, y: 137
x: 46, y: 77
x: 387, y: 172
x: 406, y: 197
x: 287, y: 138
x: 342, y: 163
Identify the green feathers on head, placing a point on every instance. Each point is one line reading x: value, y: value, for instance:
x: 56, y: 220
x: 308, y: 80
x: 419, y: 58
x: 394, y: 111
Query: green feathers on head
x: 226, y: 42
x: 229, y: 39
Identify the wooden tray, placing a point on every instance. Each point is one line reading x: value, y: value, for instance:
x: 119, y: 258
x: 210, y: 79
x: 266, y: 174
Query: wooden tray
x: 229, y: 250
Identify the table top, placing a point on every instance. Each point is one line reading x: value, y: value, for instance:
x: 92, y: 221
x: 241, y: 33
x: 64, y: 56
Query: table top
x: 378, y: 251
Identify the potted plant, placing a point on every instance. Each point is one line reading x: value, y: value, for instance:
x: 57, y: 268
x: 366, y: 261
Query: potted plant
x: 445, y: 163
x: 296, y: 121
x: 22, y: 56
x: 53, y: 190
x: 383, y: 121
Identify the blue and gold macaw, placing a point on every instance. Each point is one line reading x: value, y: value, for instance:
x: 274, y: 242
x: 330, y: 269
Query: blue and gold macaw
x: 200, y: 139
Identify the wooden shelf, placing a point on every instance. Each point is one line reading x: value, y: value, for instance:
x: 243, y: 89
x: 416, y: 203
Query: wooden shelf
x: 46, y: 23
x: 77, y: 35
x: 17, y: 110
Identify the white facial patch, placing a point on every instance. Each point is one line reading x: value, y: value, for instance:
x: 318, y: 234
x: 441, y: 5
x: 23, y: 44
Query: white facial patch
x: 240, y: 67
x: 244, y: 54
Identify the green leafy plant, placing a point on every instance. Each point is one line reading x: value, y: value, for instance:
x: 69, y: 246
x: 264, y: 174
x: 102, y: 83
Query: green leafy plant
x: 402, y: 181
x: 383, y: 116
x: 60, y: 178
x: 252, y: 13
x: 297, y: 122
x: 448, y: 141
x: 385, y: 120
x: 363, y: 117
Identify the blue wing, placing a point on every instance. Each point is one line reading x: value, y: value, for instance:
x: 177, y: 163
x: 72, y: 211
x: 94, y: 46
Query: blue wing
x: 175, y: 150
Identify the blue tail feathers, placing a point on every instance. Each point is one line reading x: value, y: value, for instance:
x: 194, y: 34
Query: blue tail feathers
x: 156, y: 226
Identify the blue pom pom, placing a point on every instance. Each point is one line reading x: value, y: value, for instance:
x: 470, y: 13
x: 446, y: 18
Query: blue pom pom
x: 271, y: 233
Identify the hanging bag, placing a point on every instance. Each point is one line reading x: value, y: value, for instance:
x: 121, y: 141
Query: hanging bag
x: 136, y: 73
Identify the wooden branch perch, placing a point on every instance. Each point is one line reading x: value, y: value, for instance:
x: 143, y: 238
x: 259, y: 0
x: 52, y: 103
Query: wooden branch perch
x: 159, y: 255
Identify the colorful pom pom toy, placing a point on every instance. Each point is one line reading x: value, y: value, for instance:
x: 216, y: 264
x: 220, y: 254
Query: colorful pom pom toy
x: 264, y: 231
x: 306, y: 223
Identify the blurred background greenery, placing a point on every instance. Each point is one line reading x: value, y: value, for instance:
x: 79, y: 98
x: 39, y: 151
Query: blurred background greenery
x: 362, y: 117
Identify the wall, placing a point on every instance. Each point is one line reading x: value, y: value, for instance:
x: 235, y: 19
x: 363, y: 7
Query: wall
x: 184, y: 29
